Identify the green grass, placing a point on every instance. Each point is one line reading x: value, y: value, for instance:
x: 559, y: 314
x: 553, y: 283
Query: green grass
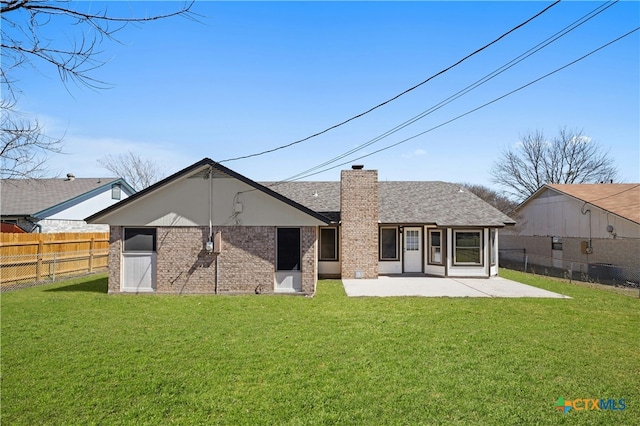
x: 71, y: 354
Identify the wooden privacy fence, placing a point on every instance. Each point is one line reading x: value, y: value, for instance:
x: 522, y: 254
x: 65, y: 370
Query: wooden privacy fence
x: 34, y: 258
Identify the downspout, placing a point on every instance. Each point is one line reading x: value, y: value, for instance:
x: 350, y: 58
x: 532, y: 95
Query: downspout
x: 37, y: 225
x: 215, y: 291
x: 583, y: 211
x: 210, y: 245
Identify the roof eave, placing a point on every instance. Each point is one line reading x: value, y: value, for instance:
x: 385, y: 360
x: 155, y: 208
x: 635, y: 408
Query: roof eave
x: 81, y: 197
x: 188, y: 170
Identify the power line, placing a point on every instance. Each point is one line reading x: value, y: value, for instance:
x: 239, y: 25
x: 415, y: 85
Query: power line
x: 469, y: 88
x: 475, y: 109
x: 396, y: 96
x: 613, y: 195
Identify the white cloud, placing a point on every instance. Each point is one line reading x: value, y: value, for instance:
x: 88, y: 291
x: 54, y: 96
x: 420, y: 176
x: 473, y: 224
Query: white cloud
x: 81, y: 153
x: 415, y: 153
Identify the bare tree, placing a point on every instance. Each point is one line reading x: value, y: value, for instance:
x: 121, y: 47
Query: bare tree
x: 497, y: 200
x: 139, y: 173
x: 570, y: 157
x: 25, y: 39
x: 30, y: 37
x: 24, y: 147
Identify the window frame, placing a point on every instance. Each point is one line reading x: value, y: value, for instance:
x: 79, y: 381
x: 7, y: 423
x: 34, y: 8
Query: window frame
x: 381, y: 245
x: 493, y: 253
x: 279, y: 258
x: 555, y: 243
x: 336, y: 253
x: 480, y: 247
x: 116, y: 191
x: 153, y: 232
x: 431, y: 246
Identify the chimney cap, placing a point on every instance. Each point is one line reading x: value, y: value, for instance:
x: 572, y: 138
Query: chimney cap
x: 357, y: 166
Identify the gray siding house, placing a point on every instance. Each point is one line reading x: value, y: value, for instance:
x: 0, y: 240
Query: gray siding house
x: 208, y: 229
x: 589, y: 228
x: 59, y: 205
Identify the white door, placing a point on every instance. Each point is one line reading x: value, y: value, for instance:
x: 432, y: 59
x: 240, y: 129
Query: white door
x: 138, y: 272
x: 412, y: 250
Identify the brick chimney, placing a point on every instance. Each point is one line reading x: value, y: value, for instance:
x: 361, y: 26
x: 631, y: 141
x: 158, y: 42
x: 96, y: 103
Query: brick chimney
x: 359, y: 216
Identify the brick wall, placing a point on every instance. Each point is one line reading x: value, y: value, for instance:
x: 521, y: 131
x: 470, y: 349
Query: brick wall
x: 309, y: 259
x: 59, y: 225
x: 619, y: 252
x: 359, y: 216
x: 245, y: 265
x: 247, y: 260
x: 115, y: 256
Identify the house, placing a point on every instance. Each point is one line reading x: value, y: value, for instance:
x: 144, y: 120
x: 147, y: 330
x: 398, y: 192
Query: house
x: 591, y: 228
x: 208, y: 229
x: 59, y: 205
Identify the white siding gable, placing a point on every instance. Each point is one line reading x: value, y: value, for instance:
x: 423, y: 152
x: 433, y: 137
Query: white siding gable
x: 555, y: 214
x: 186, y: 202
x: 81, y: 210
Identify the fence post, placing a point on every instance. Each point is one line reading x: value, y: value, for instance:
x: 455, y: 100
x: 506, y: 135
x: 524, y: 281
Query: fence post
x: 91, y: 245
x: 54, y: 267
x: 570, y: 272
x: 39, y: 259
x: 526, y: 260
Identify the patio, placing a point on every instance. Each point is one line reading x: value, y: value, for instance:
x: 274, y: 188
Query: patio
x: 426, y: 286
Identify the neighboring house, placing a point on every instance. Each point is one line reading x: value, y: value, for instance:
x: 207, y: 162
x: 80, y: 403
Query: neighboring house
x: 59, y: 205
x: 591, y: 225
x: 11, y: 228
x: 208, y: 229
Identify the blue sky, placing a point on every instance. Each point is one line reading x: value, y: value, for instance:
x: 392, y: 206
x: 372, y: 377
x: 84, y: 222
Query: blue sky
x: 253, y: 76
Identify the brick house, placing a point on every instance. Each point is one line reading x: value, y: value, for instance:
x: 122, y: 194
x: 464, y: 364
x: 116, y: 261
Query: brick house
x: 208, y: 229
x: 589, y: 228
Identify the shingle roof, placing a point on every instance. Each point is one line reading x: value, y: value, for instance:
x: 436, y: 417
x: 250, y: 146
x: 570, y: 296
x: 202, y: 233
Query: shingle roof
x: 24, y: 197
x: 322, y: 197
x: 622, y: 199
x: 440, y: 203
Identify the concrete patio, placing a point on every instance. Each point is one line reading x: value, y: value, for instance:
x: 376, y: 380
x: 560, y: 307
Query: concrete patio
x: 386, y: 286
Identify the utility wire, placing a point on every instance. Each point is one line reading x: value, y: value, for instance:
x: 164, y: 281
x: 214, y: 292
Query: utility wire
x: 396, y: 96
x: 612, y: 195
x: 469, y: 88
x: 475, y: 109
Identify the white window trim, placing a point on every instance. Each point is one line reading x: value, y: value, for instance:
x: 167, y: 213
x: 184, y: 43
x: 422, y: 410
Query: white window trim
x: 430, y: 247
x: 116, y: 191
x: 455, y: 260
x: 493, y: 241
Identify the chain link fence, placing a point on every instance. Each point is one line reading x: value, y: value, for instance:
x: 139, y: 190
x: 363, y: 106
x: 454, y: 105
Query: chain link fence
x: 28, y: 270
x: 601, y: 273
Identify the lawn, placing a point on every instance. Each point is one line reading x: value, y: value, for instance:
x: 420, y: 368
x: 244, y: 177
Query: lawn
x: 71, y: 354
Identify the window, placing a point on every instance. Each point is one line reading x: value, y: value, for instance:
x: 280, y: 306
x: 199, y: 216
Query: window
x: 288, y: 249
x: 467, y: 249
x: 328, y: 243
x: 412, y: 242
x: 435, y: 247
x: 494, y: 247
x: 389, y: 243
x: 139, y: 239
x: 556, y: 243
x: 116, y: 191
